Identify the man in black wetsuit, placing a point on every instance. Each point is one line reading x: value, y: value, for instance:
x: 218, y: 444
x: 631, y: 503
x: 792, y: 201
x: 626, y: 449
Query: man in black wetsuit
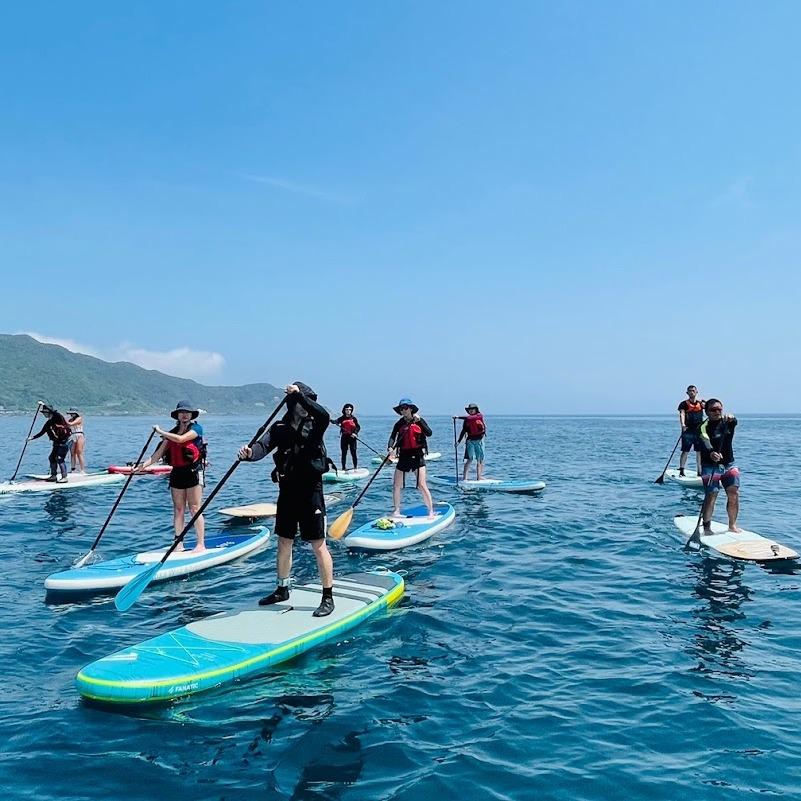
x: 715, y: 438
x: 300, y: 461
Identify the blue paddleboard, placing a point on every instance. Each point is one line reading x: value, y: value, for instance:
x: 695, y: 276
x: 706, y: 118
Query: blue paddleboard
x: 411, y: 527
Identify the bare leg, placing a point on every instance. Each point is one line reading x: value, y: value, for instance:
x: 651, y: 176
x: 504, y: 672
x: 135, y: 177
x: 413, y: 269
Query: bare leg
x: 683, y: 460
x: 325, y: 564
x: 79, y: 449
x: 194, y: 499
x: 479, y: 470
x: 698, y: 462
x: 397, y: 484
x: 466, y: 469
x: 284, y: 557
x: 424, y: 491
x: 178, y: 506
x: 733, y: 507
x: 709, y: 510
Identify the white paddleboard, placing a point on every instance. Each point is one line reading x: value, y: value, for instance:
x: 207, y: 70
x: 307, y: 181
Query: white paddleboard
x: 346, y: 475
x: 37, y: 483
x: 429, y: 457
x: 747, y: 545
x: 690, y: 479
x: 523, y: 486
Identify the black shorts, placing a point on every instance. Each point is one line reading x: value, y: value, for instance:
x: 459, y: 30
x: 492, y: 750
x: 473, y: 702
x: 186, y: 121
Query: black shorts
x: 689, y: 441
x: 184, y: 478
x: 301, y: 508
x: 410, y: 461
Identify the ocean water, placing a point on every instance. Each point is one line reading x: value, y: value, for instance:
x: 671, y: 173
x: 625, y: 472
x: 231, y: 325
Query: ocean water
x: 561, y: 646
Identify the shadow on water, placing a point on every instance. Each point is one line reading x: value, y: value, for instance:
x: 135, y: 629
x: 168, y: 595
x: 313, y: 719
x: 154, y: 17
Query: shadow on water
x: 58, y: 507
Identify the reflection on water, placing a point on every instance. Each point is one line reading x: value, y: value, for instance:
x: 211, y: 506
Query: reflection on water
x: 57, y: 507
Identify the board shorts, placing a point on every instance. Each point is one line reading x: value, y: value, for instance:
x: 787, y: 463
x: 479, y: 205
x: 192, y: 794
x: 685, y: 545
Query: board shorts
x: 689, y: 441
x: 728, y: 475
x: 474, y: 450
x: 184, y: 478
x: 301, y: 508
x: 410, y: 461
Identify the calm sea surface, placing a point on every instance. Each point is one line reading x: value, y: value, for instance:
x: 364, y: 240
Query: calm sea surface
x: 562, y: 646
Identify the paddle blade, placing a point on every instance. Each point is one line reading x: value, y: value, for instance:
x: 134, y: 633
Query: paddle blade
x: 127, y: 596
x: 660, y: 480
x: 84, y: 559
x: 338, y: 529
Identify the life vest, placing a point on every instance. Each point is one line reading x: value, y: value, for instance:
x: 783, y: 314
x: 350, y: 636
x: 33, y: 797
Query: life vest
x: 475, y: 425
x: 188, y: 454
x: 693, y: 414
x: 298, y: 456
x: 410, y: 437
x: 348, y: 426
x: 60, y: 431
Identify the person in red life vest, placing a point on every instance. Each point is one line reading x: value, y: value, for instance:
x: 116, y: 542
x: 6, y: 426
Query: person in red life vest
x: 691, y: 415
x: 349, y: 427
x: 408, y: 442
x: 59, y: 433
x: 474, y: 429
x: 297, y: 444
x: 183, y: 447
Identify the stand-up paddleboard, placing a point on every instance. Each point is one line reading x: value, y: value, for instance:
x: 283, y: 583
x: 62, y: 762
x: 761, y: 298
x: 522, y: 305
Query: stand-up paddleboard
x: 255, y: 511
x: 429, y: 457
x: 746, y: 545
x: 391, y: 533
x: 151, y: 470
x: 690, y: 479
x: 38, y: 483
x: 346, y: 475
x: 115, y: 573
x: 232, y: 645
x: 491, y: 484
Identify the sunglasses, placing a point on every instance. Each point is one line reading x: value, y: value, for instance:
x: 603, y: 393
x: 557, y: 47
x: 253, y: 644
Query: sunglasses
x: 405, y: 406
x: 715, y: 409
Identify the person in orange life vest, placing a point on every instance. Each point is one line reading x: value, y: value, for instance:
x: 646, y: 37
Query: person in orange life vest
x: 691, y: 415
x: 474, y: 429
x: 182, y: 447
x: 349, y: 427
x: 408, y: 441
x: 59, y: 433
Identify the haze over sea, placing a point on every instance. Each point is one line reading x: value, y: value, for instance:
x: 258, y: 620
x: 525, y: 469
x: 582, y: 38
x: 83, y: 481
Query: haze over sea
x: 562, y: 646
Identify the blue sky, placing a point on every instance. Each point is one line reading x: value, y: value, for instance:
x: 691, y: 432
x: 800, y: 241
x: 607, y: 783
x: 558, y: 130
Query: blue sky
x: 543, y: 207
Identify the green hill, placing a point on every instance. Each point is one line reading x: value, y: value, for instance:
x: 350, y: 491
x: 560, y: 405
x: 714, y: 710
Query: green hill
x: 31, y: 371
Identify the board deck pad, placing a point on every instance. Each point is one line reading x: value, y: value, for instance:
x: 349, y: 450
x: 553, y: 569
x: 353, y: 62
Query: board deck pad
x: 747, y: 545
x: 229, y: 646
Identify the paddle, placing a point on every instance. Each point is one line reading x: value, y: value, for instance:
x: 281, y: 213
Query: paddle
x: 661, y: 479
x: 361, y: 441
x: 85, y: 558
x: 39, y: 405
x: 695, y: 537
x: 127, y: 596
x: 340, y: 526
x: 455, y: 452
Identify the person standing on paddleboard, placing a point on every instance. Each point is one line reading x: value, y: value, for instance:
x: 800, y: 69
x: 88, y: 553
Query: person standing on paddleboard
x: 349, y: 427
x: 300, y: 461
x: 715, y: 439
x: 58, y: 432
x: 408, y: 441
x: 78, y: 441
x: 691, y: 415
x: 474, y: 428
x: 184, y: 448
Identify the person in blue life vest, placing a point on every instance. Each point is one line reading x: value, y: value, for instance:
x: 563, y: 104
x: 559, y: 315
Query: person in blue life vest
x: 408, y: 441
x: 348, y: 427
x: 474, y: 428
x: 59, y: 433
x: 300, y: 461
x: 184, y: 448
x: 691, y: 415
x: 716, y: 437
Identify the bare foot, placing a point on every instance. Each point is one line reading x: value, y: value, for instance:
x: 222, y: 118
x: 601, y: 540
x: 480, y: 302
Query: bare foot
x: 735, y: 530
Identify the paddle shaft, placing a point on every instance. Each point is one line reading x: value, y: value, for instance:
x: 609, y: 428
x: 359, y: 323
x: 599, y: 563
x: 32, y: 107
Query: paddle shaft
x: 367, y: 485
x: 361, y: 441
x: 35, y: 415
x: 220, y: 484
x: 455, y: 453
x: 124, y: 487
x: 661, y: 478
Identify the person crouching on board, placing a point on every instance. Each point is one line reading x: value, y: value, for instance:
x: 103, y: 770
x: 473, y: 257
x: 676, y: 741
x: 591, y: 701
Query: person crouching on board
x: 300, y: 461
x: 716, y: 436
x: 691, y: 415
x: 474, y: 428
x: 349, y: 427
x: 408, y: 442
x: 59, y: 433
x: 184, y: 448
x: 78, y: 441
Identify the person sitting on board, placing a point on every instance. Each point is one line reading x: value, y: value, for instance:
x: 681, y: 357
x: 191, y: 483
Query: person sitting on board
x: 349, y: 427
x: 78, y: 441
x: 59, y: 433
x: 300, y: 461
x: 184, y: 448
x: 474, y: 428
x: 408, y: 441
x: 691, y: 415
x: 717, y: 464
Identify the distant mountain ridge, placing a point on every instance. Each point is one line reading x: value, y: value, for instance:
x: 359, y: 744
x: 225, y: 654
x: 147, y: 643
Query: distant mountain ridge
x: 31, y: 370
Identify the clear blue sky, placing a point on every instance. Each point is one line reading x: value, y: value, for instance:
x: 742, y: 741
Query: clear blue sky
x: 543, y: 207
